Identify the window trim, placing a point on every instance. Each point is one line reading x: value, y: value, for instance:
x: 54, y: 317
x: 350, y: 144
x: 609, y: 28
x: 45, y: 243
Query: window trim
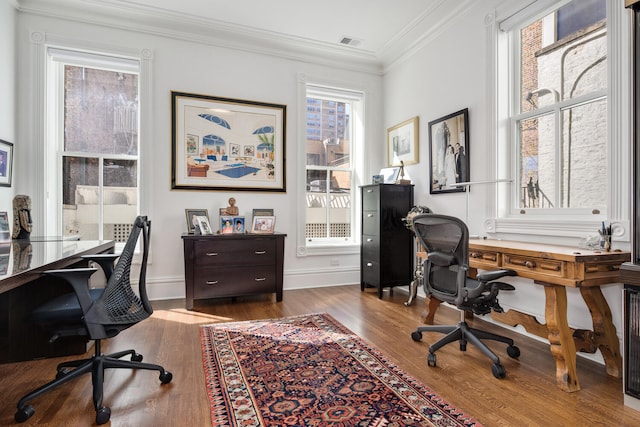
x: 329, y: 246
x: 500, y: 154
x: 37, y: 130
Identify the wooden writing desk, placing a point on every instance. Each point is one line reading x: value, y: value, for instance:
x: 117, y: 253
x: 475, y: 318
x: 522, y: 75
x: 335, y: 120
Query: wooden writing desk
x: 556, y: 268
x: 23, y: 287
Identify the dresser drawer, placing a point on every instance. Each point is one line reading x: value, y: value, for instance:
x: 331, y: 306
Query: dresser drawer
x: 235, y: 252
x: 227, y: 282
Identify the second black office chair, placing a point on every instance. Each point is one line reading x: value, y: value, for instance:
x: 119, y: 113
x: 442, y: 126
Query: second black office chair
x: 98, y: 314
x: 446, y: 241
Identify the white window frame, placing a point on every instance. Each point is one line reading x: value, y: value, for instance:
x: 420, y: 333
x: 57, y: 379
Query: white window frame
x: 331, y: 246
x: 41, y: 127
x: 558, y: 223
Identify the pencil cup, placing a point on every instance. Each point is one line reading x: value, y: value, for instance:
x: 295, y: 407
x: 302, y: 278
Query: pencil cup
x: 606, y: 242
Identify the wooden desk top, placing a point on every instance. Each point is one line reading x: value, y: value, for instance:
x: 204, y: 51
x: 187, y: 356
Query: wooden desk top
x: 548, y: 264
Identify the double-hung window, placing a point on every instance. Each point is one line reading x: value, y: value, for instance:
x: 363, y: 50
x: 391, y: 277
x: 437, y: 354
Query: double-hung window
x: 553, y: 111
x: 333, y: 134
x: 93, y: 143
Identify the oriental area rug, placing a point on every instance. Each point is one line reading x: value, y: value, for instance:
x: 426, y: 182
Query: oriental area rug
x: 311, y: 371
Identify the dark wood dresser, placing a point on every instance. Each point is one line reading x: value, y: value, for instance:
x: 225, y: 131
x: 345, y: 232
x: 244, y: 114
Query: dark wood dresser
x: 386, y: 252
x: 232, y: 265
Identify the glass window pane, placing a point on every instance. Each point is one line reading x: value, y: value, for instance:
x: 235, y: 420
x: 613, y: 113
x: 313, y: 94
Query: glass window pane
x: 120, y: 198
x: 101, y: 111
x: 554, y: 68
x: 537, y: 162
x: 316, y: 204
x: 340, y: 206
x: 328, y: 133
x: 584, y: 158
x: 81, y: 197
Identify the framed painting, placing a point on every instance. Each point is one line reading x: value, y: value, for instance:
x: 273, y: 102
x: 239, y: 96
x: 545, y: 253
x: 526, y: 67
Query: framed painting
x: 403, y: 143
x: 449, y: 151
x: 227, y: 144
x: 192, y: 218
x: 6, y: 163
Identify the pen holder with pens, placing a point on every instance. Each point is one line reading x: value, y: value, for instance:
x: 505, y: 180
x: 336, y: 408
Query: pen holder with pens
x: 605, y: 237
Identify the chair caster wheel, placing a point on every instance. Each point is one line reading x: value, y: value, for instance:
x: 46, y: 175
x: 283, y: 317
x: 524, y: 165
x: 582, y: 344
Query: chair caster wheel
x: 513, y: 351
x: 136, y: 357
x: 24, y: 413
x: 103, y: 415
x: 166, y: 377
x: 431, y: 359
x: 498, y: 371
x: 416, y: 336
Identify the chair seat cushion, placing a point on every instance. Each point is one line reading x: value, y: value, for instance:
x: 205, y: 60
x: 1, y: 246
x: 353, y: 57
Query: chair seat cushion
x: 62, y: 309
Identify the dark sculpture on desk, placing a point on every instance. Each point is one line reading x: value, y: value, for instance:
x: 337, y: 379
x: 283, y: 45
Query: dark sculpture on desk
x: 22, y: 225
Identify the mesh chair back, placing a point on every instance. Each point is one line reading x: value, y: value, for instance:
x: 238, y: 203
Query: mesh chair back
x: 445, y: 239
x: 119, y: 306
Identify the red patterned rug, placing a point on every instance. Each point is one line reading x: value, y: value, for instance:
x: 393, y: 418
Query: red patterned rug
x: 311, y: 371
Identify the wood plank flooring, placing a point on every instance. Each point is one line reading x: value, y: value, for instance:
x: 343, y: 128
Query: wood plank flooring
x: 527, y: 397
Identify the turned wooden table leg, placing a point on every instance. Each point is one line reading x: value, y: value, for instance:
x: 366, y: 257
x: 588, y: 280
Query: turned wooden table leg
x: 560, y: 337
x: 432, y: 306
x: 606, y: 337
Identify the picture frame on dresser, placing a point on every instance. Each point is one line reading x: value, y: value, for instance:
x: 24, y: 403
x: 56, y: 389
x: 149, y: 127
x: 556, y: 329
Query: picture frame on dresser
x: 263, y: 225
x: 192, y: 220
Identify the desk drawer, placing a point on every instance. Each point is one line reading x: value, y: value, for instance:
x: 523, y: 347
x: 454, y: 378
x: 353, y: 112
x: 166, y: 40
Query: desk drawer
x: 540, y: 266
x: 229, y: 282
x: 235, y: 252
x: 487, y: 260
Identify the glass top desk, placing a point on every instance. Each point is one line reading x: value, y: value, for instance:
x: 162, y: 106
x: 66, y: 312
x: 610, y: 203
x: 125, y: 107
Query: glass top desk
x: 23, y: 287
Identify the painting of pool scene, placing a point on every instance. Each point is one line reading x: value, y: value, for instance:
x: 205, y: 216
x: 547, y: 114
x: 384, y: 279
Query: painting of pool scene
x: 222, y: 144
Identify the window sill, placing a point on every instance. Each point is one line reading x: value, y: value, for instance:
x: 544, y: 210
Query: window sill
x: 555, y: 227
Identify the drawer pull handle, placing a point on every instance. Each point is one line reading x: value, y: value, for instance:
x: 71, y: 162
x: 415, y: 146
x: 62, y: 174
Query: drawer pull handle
x: 260, y: 252
x: 369, y: 191
x: 369, y: 264
x: 212, y: 253
x: 370, y: 215
x: 523, y: 262
x: 476, y: 255
x: 369, y: 239
x: 211, y: 282
x: 260, y: 279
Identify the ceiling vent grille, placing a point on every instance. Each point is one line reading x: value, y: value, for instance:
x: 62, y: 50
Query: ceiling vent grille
x: 350, y: 41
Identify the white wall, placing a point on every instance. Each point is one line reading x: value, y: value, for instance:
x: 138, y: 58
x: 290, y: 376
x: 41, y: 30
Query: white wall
x: 447, y: 74
x: 8, y: 19
x: 204, y: 68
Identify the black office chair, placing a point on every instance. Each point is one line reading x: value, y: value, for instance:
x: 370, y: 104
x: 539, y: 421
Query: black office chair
x: 98, y: 314
x: 446, y: 241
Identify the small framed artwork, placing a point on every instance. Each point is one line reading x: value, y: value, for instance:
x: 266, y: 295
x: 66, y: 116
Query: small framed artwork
x: 262, y: 212
x: 192, y: 221
x: 449, y: 148
x: 204, y: 225
x: 226, y: 224
x: 389, y: 175
x: 6, y: 163
x: 263, y: 224
x: 402, y: 143
x: 5, y: 233
x: 238, y: 224
x: 377, y: 179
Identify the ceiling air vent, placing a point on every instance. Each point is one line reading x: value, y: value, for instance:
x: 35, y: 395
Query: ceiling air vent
x: 350, y: 41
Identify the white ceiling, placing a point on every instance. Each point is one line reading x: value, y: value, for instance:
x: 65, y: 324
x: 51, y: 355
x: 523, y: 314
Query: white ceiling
x: 384, y: 29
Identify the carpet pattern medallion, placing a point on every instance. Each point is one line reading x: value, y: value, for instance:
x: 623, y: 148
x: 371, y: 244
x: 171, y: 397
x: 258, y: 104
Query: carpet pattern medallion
x: 311, y: 371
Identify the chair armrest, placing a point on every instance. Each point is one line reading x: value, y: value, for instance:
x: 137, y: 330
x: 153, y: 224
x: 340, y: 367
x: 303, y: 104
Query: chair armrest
x: 105, y: 261
x: 488, y: 276
x: 78, y: 278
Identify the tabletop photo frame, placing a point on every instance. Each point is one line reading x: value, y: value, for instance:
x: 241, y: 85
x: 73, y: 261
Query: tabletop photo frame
x: 192, y: 220
x: 263, y: 225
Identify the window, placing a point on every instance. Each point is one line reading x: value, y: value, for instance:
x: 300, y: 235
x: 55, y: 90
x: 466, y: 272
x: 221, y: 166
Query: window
x: 554, y: 107
x: 334, y: 130
x: 93, y: 143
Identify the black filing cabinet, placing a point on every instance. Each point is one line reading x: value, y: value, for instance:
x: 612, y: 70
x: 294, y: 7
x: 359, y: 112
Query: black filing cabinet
x: 386, y: 252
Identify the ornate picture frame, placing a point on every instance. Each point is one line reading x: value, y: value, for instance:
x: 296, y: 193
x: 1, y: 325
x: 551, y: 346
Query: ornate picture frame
x: 449, y: 152
x: 227, y: 144
x: 403, y: 143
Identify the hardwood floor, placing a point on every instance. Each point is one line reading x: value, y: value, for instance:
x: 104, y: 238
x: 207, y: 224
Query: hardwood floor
x: 527, y: 397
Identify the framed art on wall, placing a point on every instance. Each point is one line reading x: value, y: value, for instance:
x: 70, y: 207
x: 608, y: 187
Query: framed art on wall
x: 449, y: 150
x: 227, y: 144
x: 6, y: 163
x: 403, y: 143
